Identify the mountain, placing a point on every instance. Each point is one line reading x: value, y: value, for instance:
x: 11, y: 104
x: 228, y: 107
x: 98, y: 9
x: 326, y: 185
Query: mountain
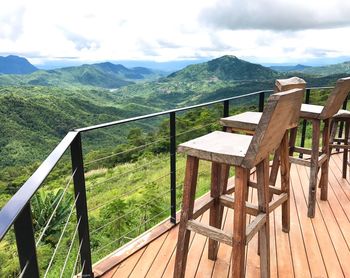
x: 329, y: 70
x: 226, y: 68
x: 289, y: 68
x: 103, y: 75
x: 15, y: 65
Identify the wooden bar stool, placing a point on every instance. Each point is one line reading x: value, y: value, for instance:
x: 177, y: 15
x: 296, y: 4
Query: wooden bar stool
x: 247, y: 122
x: 320, y: 159
x: 341, y: 143
x: 244, y: 152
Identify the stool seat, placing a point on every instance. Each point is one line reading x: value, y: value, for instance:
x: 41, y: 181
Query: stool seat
x: 246, y: 122
x: 218, y: 146
x: 310, y: 111
x: 342, y: 114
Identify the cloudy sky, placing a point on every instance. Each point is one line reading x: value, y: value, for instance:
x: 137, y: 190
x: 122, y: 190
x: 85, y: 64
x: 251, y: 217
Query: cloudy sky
x: 265, y: 31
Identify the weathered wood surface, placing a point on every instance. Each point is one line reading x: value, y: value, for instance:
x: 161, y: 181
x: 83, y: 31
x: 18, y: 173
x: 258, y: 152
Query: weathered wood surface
x: 246, y: 122
x: 336, y: 98
x: 281, y: 109
x: 297, y: 254
x: 289, y: 83
x: 218, y: 146
x: 310, y: 111
x: 189, y: 192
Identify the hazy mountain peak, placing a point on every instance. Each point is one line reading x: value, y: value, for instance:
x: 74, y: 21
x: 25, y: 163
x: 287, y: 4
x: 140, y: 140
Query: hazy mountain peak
x: 13, y: 64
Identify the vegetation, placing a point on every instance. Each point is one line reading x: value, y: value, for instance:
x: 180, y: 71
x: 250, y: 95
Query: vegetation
x: 127, y: 167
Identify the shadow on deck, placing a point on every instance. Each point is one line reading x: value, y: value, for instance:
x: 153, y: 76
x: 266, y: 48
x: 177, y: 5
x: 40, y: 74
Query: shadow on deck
x: 318, y: 247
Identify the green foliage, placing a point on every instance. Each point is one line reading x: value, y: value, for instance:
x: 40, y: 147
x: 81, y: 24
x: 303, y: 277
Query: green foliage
x: 43, y: 205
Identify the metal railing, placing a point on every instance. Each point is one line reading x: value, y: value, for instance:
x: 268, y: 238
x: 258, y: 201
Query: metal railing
x: 17, y: 211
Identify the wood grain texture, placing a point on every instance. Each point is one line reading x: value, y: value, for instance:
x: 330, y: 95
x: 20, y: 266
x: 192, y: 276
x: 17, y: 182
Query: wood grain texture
x: 239, y: 224
x: 280, y: 110
x: 297, y: 254
x: 336, y: 98
x: 189, y: 191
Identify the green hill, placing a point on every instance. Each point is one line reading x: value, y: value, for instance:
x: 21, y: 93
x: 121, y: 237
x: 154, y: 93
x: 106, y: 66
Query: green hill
x: 103, y: 75
x: 329, y: 70
x: 34, y: 119
x: 226, y: 68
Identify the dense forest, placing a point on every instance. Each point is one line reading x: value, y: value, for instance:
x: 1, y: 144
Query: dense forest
x: 126, y: 167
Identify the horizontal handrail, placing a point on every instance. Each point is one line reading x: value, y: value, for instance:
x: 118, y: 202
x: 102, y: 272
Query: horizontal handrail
x: 15, y: 205
x: 17, y: 209
x: 133, y: 119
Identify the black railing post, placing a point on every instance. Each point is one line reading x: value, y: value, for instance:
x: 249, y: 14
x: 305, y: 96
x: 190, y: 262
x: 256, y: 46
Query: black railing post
x: 226, y: 112
x: 261, y: 101
x: 26, y: 243
x: 341, y: 125
x: 303, y: 130
x: 172, y: 167
x: 81, y: 206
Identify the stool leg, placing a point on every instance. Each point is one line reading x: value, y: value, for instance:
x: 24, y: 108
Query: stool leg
x: 239, y: 223
x: 186, y: 214
x: 285, y: 183
x: 345, y: 154
x: 215, y: 215
x: 275, y: 166
x: 333, y: 128
x: 264, y: 233
x: 314, y: 167
x: 292, y: 139
x: 325, y: 164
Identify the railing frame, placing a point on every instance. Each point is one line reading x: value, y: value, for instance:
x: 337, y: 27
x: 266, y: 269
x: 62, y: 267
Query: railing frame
x: 17, y: 211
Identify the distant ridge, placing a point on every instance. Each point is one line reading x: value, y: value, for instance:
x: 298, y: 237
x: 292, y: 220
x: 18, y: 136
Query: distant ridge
x: 103, y: 75
x: 225, y: 68
x: 13, y: 64
x: 297, y: 67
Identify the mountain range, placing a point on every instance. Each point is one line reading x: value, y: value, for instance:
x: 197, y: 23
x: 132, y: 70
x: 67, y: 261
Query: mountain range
x: 103, y: 75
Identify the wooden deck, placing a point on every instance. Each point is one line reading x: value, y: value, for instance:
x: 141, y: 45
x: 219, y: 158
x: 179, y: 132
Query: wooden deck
x: 318, y: 247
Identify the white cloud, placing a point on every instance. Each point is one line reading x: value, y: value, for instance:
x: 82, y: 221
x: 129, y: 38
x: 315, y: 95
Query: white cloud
x: 164, y: 30
x: 277, y: 15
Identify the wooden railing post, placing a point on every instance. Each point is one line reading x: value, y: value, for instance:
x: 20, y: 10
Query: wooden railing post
x: 26, y: 243
x: 81, y: 206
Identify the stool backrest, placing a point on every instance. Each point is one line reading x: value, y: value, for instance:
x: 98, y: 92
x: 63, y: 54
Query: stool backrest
x: 281, y: 109
x: 336, y: 98
x: 282, y: 85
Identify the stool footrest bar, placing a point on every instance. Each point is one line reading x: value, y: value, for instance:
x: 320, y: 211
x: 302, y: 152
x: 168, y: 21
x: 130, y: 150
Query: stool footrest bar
x: 255, y: 226
x: 208, y: 231
x: 229, y: 201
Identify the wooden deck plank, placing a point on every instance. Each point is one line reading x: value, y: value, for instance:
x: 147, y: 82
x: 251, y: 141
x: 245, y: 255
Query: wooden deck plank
x: 147, y: 258
x: 126, y: 267
x: 325, y: 243
x: 318, y: 247
x: 300, y: 260
x: 222, y: 264
x: 205, y: 267
x: 312, y: 249
x: 160, y: 262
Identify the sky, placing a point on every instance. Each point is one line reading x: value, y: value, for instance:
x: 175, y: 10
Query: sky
x: 264, y: 31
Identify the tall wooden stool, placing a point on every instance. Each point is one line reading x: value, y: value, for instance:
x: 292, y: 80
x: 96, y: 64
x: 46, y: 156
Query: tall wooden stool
x: 320, y: 159
x: 244, y: 152
x: 247, y: 122
x: 343, y: 116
